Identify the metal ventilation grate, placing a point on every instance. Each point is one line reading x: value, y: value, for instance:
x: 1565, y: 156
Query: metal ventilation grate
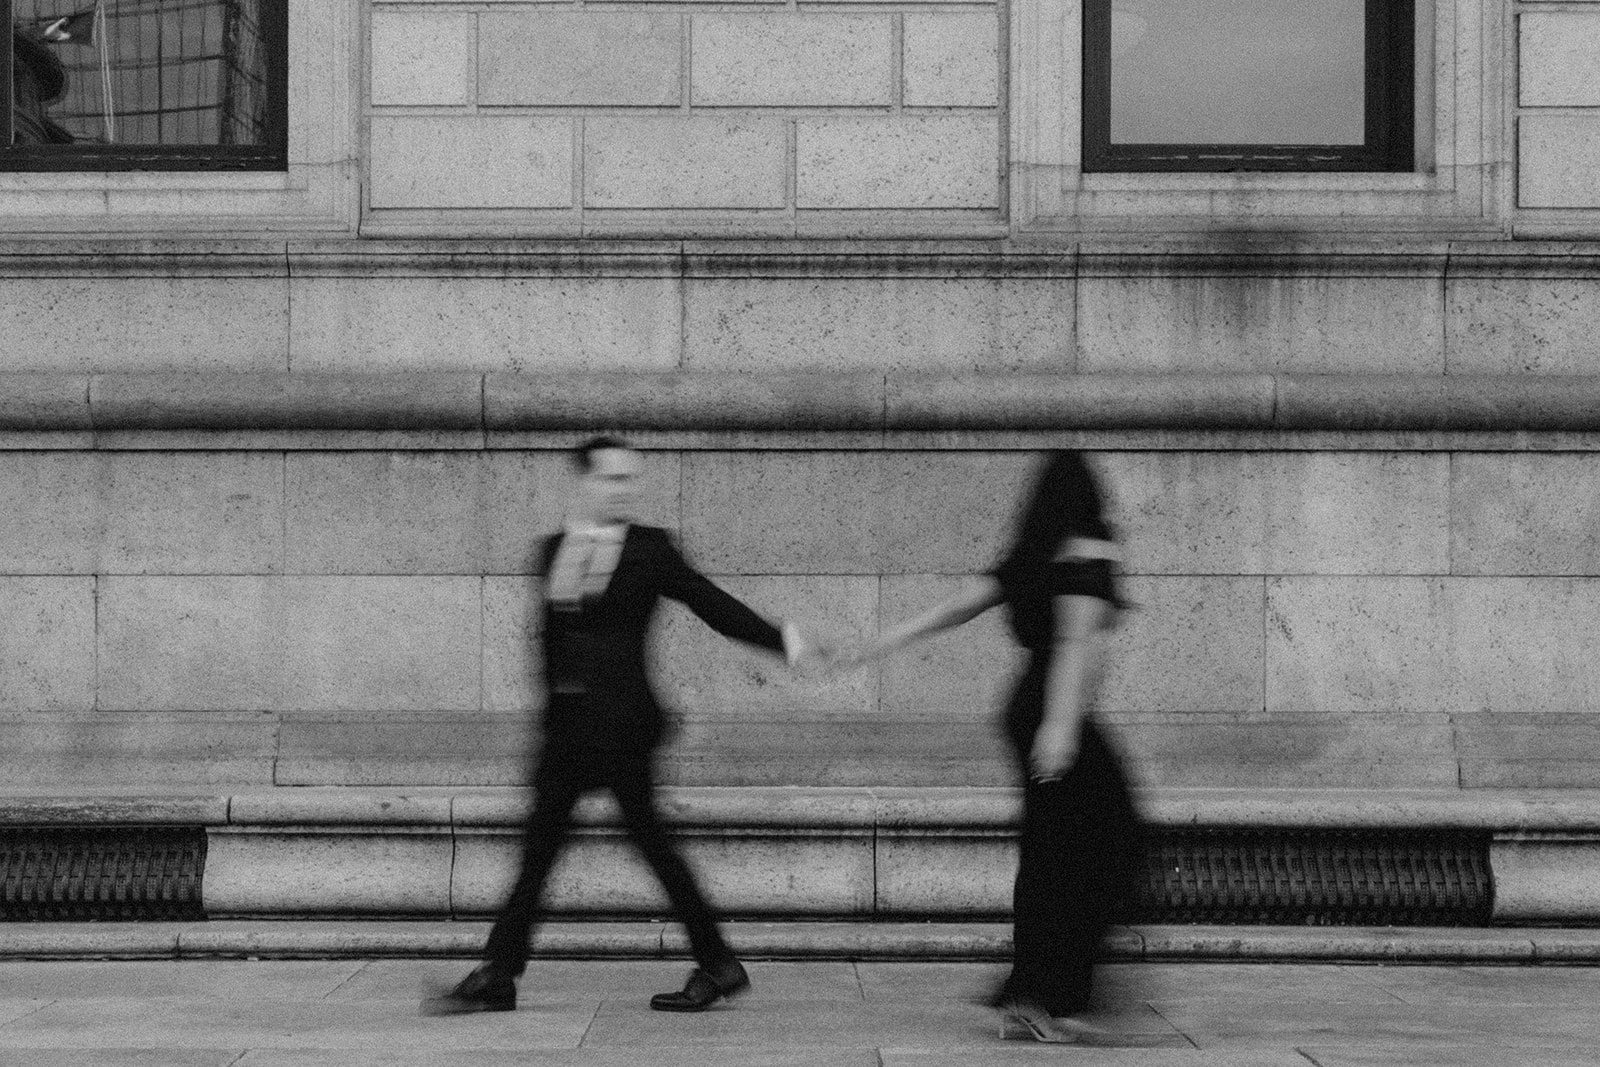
x: 1342, y: 878
x: 131, y: 873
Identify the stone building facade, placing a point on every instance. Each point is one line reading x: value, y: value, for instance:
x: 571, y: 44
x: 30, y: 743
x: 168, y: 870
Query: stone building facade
x: 276, y: 444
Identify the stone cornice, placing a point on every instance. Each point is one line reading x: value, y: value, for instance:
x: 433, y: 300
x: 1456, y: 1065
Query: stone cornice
x: 811, y: 403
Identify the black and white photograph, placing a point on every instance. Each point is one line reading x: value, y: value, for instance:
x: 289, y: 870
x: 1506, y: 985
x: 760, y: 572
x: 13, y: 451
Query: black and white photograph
x: 800, y: 533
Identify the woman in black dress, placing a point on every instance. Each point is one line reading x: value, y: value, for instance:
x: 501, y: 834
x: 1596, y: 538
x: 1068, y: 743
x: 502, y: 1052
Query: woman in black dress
x: 1079, y: 848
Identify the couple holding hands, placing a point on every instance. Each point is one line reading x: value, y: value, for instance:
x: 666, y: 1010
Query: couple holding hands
x: 1079, y: 846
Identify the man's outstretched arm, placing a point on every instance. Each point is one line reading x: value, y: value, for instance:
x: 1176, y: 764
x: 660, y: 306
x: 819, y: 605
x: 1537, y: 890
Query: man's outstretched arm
x: 718, y: 609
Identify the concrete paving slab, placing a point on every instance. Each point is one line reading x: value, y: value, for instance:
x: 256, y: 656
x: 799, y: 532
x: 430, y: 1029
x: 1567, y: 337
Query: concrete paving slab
x: 1244, y: 1024
x: 1446, y: 1056
x: 816, y: 1024
x: 693, y: 1057
x: 774, y: 980
x: 1222, y: 983
x: 546, y: 983
x: 1522, y: 1025
x: 1474, y: 986
x: 132, y: 1057
x: 1030, y: 1055
x: 929, y: 981
x: 1399, y: 1024
x: 12, y: 1009
x: 563, y: 982
x: 250, y: 1022
x: 823, y: 1024
x: 363, y: 1013
x: 291, y: 980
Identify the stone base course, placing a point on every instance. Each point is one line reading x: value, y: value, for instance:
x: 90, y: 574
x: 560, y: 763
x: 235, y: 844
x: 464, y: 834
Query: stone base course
x: 864, y: 855
x: 794, y: 940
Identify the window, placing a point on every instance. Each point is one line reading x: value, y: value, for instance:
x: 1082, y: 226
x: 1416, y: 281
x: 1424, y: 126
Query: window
x: 144, y: 85
x: 1226, y: 85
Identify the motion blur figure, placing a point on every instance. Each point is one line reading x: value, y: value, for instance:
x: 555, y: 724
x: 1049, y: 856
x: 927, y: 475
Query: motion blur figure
x: 604, y: 577
x: 1080, y: 849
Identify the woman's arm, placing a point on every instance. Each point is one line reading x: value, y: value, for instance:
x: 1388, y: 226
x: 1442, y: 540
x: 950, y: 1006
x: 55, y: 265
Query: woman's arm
x: 967, y: 603
x: 1081, y: 626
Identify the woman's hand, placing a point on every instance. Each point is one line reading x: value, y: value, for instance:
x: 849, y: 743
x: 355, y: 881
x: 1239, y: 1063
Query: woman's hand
x: 855, y: 656
x: 1055, y: 747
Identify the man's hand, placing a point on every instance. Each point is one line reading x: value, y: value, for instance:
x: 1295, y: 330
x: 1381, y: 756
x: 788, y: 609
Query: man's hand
x: 815, y: 650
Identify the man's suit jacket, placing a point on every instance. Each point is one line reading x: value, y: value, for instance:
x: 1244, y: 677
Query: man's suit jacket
x: 594, y: 656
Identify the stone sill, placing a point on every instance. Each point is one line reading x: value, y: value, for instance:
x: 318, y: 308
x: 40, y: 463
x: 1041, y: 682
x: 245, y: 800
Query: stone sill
x: 355, y: 939
x: 1506, y: 813
x: 861, y: 405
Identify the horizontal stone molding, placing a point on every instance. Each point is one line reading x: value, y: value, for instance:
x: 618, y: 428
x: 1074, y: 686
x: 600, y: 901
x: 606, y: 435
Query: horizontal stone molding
x: 688, y: 401
x: 182, y: 401
x: 1224, y: 256
x: 346, y: 939
x: 143, y: 259
x: 857, y: 403
x: 631, y: 259
x: 1247, y: 262
x: 1509, y: 814
x: 1080, y: 401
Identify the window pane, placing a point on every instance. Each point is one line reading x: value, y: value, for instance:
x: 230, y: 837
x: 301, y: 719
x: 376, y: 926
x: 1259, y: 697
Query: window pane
x: 142, y: 72
x: 1238, y: 72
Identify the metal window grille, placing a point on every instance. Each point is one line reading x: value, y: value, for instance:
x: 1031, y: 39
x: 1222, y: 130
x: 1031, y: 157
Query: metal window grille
x: 124, y: 873
x: 1337, y: 878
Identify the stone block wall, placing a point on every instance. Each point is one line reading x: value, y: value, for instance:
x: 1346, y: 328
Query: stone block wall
x: 1375, y: 603
x: 1558, y: 124
x: 929, y: 118
x: 568, y: 119
x: 1559, y: 130
x: 1391, y: 617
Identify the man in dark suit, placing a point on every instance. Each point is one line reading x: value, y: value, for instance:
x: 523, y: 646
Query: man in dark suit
x: 604, y: 576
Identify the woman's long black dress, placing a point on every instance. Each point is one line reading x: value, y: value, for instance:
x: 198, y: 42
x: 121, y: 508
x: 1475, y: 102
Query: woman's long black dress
x: 1081, y: 852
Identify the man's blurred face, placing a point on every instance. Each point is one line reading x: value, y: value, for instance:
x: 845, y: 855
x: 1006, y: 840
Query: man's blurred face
x: 609, y: 490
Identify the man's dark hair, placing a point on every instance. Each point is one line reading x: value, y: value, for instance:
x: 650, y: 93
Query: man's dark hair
x: 583, y: 455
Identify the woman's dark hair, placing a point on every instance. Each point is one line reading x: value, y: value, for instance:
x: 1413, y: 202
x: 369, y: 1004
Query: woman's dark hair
x: 1065, y: 503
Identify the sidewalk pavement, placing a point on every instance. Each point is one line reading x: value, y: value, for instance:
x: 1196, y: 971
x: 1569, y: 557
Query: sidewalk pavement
x: 592, y: 1013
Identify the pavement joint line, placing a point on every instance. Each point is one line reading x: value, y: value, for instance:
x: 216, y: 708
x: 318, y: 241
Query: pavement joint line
x: 594, y: 1016
x: 352, y: 976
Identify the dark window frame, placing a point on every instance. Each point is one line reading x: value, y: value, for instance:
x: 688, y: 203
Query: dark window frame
x: 1390, y: 110
x: 271, y: 155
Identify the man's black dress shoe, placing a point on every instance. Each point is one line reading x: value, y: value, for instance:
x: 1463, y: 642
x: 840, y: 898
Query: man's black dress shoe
x: 482, y: 990
x: 704, y: 989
